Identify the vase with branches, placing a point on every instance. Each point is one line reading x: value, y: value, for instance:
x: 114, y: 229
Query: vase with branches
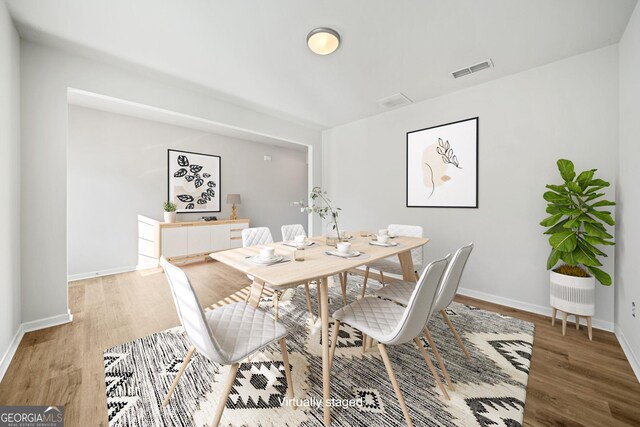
x: 321, y: 204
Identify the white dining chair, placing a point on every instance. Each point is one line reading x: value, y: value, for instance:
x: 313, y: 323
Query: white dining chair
x: 392, y: 264
x: 290, y: 231
x: 401, y: 291
x: 392, y: 324
x: 225, y: 335
x: 256, y: 236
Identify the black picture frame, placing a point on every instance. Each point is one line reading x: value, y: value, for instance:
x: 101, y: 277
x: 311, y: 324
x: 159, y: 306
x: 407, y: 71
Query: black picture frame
x: 209, y: 174
x: 471, y: 148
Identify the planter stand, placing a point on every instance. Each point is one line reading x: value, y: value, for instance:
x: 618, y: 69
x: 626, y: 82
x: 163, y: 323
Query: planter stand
x: 564, y: 322
x: 572, y: 296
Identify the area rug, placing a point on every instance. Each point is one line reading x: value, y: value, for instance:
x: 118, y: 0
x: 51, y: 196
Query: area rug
x: 490, y: 389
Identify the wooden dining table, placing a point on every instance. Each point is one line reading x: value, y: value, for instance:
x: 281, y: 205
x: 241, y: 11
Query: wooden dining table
x: 319, y: 266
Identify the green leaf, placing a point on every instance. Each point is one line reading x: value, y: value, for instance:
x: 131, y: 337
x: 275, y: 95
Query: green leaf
x: 568, y: 258
x: 553, y: 259
x: 558, y: 227
x: 572, y: 222
x: 552, y: 220
x: 557, y: 188
x: 603, y: 203
x: 593, y: 196
x: 566, y: 169
x: 599, y: 183
x: 592, y: 248
x: 604, y: 216
x: 584, y: 256
x: 552, y: 197
x: 593, y: 240
x: 597, y: 230
x: 553, y: 209
x: 584, y: 178
x: 574, y: 187
x: 564, y: 241
x: 600, y: 275
x: 594, y: 189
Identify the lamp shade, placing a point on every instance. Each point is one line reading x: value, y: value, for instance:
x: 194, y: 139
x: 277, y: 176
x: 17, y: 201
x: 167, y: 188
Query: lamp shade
x: 234, y: 199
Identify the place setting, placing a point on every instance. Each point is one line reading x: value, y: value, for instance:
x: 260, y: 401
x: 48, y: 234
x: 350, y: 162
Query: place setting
x: 343, y: 250
x: 299, y: 241
x: 268, y: 257
x: 383, y: 239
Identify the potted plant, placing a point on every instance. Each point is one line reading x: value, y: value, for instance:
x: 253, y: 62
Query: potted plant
x: 324, y: 210
x: 576, y: 226
x: 169, y: 211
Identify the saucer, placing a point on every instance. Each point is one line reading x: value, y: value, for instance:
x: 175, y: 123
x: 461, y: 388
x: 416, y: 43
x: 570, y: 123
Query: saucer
x: 258, y: 260
x: 376, y: 243
x: 351, y: 254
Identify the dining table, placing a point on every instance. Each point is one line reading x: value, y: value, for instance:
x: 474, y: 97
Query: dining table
x: 318, y: 265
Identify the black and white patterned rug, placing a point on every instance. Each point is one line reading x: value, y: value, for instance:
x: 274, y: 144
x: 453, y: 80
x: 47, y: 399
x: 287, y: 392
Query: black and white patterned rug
x: 490, y: 389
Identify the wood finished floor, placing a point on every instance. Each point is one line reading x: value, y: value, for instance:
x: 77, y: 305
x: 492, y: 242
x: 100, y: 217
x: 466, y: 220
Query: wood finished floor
x: 572, y: 382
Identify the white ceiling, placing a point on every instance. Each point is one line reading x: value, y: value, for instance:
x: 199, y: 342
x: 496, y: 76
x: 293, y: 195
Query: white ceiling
x: 254, y: 51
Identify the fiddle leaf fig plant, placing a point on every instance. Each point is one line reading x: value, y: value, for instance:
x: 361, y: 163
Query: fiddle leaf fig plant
x: 576, y: 224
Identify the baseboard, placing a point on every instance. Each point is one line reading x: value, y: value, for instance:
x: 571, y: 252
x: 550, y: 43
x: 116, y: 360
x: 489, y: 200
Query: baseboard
x: 532, y: 308
x: 47, y: 322
x: 29, y: 327
x: 634, y: 361
x: 90, y: 274
x: 11, y: 351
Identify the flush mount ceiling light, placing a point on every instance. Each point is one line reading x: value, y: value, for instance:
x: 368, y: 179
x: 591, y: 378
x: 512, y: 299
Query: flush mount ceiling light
x: 323, y: 41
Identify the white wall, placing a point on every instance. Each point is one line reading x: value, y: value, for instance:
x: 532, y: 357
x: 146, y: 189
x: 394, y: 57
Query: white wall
x: 117, y: 169
x: 46, y: 73
x: 628, y: 194
x: 567, y: 109
x: 10, y: 178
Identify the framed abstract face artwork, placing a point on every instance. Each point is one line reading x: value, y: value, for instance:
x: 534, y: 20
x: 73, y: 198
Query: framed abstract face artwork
x: 442, y: 166
x: 193, y: 181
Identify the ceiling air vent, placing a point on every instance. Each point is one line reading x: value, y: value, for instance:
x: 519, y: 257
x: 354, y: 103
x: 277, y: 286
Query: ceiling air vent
x: 394, y: 101
x: 472, y: 69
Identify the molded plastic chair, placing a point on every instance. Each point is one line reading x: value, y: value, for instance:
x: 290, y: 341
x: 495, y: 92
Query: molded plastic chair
x: 262, y: 236
x: 391, y: 324
x: 289, y: 232
x: 392, y: 264
x: 401, y: 291
x: 225, y: 335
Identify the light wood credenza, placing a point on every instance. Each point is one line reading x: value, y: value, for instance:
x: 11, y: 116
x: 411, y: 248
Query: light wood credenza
x: 184, y: 241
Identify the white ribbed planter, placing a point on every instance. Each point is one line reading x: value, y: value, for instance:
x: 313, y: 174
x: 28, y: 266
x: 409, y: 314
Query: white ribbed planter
x: 169, y: 217
x: 575, y: 295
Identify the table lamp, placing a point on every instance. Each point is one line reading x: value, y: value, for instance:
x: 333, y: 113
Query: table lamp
x: 233, y: 200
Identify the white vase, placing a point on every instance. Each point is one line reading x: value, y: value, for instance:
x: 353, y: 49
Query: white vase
x: 169, y: 217
x: 575, y: 295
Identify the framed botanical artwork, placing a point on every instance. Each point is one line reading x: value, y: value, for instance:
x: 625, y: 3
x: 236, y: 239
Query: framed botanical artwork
x: 193, y: 181
x: 442, y: 166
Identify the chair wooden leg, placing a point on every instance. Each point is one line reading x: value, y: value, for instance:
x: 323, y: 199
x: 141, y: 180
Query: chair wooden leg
x: 564, y: 323
x: 334, y: 341
x: 554, y: 312
x: 589, y: 328
x: 319, y: 302
x: 287, y: 368
x: 455, y: 334
x: 436, y: 353
x: 370, y: 342
x: 381, y: 278
x: 276, y: 304
x: 577, y: 321
x: 178, y: 375
x: 364, y: 283
x: 364, y: 343
x: 343, y: 285
x: 225, y: 394
x: 417, y: 276
x: 431, y: 367
x: 306, y: 290
x: 394, y: 382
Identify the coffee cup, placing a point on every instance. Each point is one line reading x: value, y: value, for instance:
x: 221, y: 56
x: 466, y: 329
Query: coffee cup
x: 267, y: 253
x: 300, y: 239
x: 383, y: 238
x: 383, y: 232
x: 343, y: 247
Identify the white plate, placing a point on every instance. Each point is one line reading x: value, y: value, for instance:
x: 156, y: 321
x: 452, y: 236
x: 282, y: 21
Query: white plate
x: 293, y: 244
x: 376, y: 243
x: 351, y: 254
x: 258, y: 260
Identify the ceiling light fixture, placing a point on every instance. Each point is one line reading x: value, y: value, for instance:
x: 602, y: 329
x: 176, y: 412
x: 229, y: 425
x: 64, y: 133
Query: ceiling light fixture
x: 323, y: 40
